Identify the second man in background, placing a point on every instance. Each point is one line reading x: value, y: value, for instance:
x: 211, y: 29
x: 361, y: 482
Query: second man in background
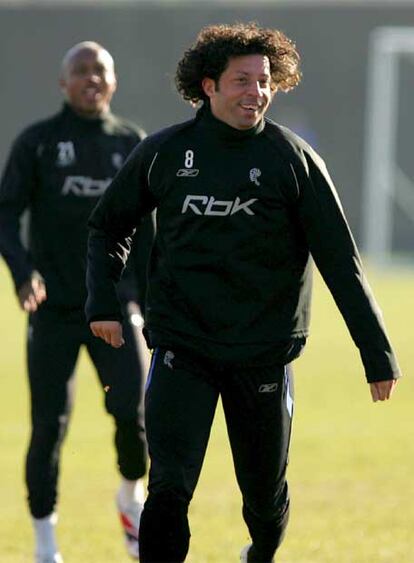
x: 58, y: 168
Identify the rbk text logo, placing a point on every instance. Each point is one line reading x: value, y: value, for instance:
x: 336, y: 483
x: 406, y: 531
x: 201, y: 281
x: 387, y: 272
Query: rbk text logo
x: 204, y: 205
x: 84, y: 186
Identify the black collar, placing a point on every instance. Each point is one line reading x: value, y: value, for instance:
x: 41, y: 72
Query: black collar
x: 225, y: 131
x: 91, y: 122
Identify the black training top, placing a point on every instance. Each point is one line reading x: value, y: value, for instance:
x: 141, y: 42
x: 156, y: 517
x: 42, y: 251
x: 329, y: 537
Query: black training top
x: 239, y: 214
x: 58, y: 168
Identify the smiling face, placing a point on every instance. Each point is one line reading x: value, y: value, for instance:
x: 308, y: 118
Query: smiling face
x: 243, y: 92
x: 88, y: 81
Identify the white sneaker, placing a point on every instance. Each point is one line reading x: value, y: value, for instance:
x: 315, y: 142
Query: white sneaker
x: 244, y: 555
x: 50, y: 558
x: 130, y: 515
x: 244, y: 552
x: 46, y: 550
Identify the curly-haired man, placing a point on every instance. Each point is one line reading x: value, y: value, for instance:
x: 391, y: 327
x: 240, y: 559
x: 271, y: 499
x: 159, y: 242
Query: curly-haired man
x: 242, y: 204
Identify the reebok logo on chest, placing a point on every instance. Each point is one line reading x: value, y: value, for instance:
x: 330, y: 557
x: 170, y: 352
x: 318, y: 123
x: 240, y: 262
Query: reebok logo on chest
x: 209, y: 205
x: 205, y: 205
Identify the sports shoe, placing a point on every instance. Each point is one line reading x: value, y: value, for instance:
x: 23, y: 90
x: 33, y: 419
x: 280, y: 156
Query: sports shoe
x: 244, y: 555
x: 52, y: 558
x: 244, y: 552
x: 130, y: 516
x: 46, y: 550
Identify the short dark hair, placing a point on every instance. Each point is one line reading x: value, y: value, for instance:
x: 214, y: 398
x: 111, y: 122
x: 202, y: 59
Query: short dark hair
x: 216, y: 44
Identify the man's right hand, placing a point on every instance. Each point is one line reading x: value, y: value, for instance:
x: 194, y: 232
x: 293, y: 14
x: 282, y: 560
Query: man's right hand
x: 382, y: 390
x: 110, y: 331
x: 32, y: 293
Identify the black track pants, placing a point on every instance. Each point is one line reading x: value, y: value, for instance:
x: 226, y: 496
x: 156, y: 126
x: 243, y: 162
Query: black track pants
x: 54, y: 339
x: 180, y: 403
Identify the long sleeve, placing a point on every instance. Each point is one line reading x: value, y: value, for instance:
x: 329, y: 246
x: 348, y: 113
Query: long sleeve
x: 133, y: 283
x: 336, y: 256
x: 16, y: 189
x: 112, y: 225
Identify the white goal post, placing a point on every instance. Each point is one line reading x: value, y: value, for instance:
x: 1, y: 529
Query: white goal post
x: 385, y: 183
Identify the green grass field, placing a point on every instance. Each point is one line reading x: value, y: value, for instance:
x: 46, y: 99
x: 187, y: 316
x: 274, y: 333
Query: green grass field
x: 351, y: 470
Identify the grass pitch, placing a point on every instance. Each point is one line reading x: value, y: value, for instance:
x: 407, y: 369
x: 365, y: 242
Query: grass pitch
x: 351, y: 467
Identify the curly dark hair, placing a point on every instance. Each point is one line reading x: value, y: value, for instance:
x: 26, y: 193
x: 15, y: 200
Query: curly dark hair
x: 216, y: 44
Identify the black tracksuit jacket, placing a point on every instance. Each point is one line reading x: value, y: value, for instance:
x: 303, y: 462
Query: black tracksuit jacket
x: 239, y: 215
x: 58, y: 168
